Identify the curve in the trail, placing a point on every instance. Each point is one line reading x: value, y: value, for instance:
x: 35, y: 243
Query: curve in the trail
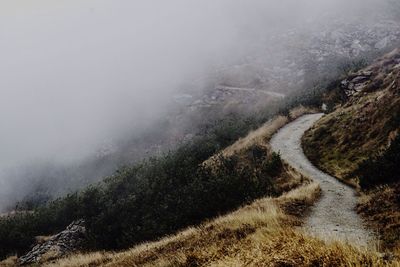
x: 333, y: 217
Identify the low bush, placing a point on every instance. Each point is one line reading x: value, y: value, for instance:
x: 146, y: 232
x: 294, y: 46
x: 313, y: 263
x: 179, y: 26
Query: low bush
x: 148, y: 200
x: 382, y: 169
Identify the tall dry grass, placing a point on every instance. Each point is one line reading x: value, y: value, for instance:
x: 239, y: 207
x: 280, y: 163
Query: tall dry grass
x: 264, y: 233
x: 9, y: 262
x: 260, y: 234
x: 299, y: 111
x: 260, y: 136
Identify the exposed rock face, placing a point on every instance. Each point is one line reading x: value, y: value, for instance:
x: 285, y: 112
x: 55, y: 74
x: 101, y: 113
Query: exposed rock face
x: 57, y: 246
x: 381, y: 74
x: 356, y: 83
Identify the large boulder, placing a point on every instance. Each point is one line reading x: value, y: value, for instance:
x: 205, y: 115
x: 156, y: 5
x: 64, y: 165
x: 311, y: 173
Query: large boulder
x: 58, y: 245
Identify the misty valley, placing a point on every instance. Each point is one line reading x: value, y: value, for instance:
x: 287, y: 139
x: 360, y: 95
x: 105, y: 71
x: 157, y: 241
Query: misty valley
x: 200, y: 133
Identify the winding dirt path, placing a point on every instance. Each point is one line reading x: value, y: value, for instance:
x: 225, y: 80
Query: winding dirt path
x: 333, y: 217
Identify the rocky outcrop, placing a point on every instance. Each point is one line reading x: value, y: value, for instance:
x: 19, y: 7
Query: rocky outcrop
x: 356, y: 83
x: 382, y: 74
x: 58, y: 245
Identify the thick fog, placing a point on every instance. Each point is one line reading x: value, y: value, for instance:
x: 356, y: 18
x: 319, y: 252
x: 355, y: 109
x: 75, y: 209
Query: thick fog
x: 75, y: 74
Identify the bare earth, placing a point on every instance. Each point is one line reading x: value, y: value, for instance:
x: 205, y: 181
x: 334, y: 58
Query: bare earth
x: 333, y: 217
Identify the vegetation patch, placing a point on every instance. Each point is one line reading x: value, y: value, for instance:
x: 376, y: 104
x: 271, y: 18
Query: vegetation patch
x: 162, y: 195
x: 359, y: 143
x: 253, y: 235
x: 381, y: 207
x: 382, y: 168
x: 362, y: 127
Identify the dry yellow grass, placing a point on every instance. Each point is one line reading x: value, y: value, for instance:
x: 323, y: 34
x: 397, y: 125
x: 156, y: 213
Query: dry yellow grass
x: 340, y: 141
x: 259, y: 140
x: 300, y: 111
x: 381, y: 210
x: 261, y: 136
x: 264, y: 233
x: 9, y: 262
x: 260, y: 234
x: 362, y: 128
x: 364, y: 125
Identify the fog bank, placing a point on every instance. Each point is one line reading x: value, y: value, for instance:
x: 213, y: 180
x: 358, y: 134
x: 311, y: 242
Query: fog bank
x: 75, y: 74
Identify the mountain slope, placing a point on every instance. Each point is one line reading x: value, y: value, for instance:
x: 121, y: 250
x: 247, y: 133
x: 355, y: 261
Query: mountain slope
x: 259, y: 233
x: 366, y: 124
x: 232, y: 240
x: 326, y: 221
x: 359, y: 143
x: 161, y: 195
x: 188, y: 186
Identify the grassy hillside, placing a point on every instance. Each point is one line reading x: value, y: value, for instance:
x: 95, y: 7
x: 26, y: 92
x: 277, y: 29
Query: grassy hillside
x: 365, y: 125
x: 359, y: 143
x: 259, y: 233
x: 148, y: 200
x: 161, y: 195
x: 256, y: 234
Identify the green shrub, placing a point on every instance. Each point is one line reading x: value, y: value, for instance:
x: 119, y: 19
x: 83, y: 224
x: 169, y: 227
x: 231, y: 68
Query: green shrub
x: 161, y: 195
x: 382, y: 169
x: 148, y: 200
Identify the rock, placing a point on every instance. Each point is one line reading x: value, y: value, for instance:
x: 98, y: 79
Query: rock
x: 57, y: 246
x: 357, y: 83
x: 359, y: 87
x: 359, y: 79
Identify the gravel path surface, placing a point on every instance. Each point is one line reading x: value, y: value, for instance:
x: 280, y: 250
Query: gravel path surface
x: 333, y: 217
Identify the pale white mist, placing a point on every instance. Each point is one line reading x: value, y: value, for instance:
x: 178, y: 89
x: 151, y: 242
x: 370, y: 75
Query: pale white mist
x: 74, y: 73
